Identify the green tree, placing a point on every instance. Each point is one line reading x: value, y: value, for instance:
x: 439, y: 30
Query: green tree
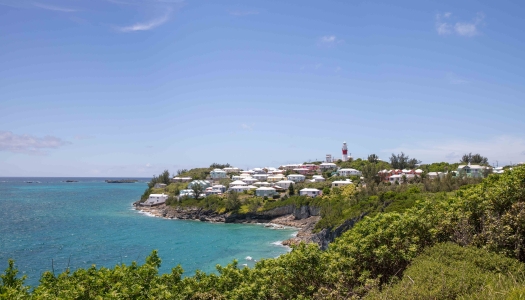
x: 474, y: 159
x: 402, y: 161
x: 197, y: 189
x: 372, y: 158
x: 291, y: 190
x: 232, y: 202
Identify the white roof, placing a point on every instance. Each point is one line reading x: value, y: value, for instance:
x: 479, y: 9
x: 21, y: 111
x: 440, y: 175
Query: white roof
x: 295, y: 175
x: 327, y: 164
x: 471, y: 166
x: 238, y: 182
x: 265, y: 189
x: 348, y: 169
x: 309, y: 190
x: 285, y: 181
x: 157, y: 195
x: 218, y: 170
x: 252, y: 187
x: 218, y: 186
x: 342, y: 181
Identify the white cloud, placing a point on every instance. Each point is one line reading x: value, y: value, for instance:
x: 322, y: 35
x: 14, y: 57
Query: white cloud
x: 466, y: 29
x: 445, y: 26
x: 147, y: 25
x: 442, y: 27
x: 501, y: 148
x: 148, y: 165
x: 240, y: 13
x: 54, y: 8
x: 338, y: 69
x: 28, y: 144
x: 329, y: 40
x: 246, y: 126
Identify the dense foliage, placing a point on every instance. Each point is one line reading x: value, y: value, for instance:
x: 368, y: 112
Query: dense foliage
x: 382, y: 256
x: 403, y: 161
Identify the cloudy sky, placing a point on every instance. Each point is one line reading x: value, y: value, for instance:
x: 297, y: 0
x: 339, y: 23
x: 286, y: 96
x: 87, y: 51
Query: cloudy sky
x: 133, y: 87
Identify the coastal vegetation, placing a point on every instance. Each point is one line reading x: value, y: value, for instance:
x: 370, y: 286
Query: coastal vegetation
x: 467, y: 243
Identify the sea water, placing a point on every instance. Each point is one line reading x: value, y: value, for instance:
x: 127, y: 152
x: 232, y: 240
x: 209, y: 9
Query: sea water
x: 48, y: 224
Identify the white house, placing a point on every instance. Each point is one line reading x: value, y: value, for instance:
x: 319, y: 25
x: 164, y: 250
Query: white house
x: 155, y: 199
x: 238, y: 183
x: 231, y: 170
x: 310, y: 192
x: 249, y: 180
x: 203, y: 183
x: 181, y: 179
x: 240, y: 177
x: 239, y: 188
x: 340, y: 183
x: 219, y: 188
x: 260, y: 177
x: 394, y: 178
x: 349, y: 172
x: 218, y: 174
x: 187, y: 192
x: 471, y: 170
x: 258, y: 171
x: 434, y: 175
x: 296, y: 177
x: 317, y: 178
x: 275, y: 178
x: 160, y: 185
x: 327, y: 166
x: 284, y: 183
x: 265, y: 191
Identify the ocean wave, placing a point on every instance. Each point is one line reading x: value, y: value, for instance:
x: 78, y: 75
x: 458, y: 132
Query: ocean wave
x: 146, y: 213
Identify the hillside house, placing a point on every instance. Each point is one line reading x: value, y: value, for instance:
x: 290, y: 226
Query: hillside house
x: 296, y: 177
x: 310, y: 192
x: 265, y: 192
x: 203, y: 183
x: 260, y: 177
x: 474, y: 171
x: 340, y: 183
x: 327, y: 166
x: 349, y: 172
x: 275, y: 178
x: 218, y: 174
x: 284, y: 183
x: 155, y: 199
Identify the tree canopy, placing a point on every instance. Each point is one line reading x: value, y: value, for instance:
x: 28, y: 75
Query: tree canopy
x: 403, y: 161
x: 474, y: 159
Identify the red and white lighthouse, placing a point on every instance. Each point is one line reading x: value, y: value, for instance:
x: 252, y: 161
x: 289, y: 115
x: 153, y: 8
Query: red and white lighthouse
x: 345, y: 152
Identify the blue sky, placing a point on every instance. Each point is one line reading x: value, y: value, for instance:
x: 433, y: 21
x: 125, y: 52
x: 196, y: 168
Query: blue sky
x: 133, y: 87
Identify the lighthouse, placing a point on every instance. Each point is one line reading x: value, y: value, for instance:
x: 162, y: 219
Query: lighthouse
x: 345, y: 152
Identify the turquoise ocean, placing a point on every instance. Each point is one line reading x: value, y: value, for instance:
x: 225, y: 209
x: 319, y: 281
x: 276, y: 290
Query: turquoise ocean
x: 50, y: 224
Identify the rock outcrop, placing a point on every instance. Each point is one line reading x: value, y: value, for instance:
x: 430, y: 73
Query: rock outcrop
x: 304, y: 218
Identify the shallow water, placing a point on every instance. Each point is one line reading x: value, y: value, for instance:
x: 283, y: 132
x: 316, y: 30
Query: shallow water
x: 55, y: 224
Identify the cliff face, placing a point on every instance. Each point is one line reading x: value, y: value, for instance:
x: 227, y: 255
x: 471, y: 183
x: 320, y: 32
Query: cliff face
x: 326, y: 236
x: 304, y: 217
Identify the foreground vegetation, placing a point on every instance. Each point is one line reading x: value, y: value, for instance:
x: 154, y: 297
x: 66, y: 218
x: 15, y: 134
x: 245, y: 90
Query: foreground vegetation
x: 463, y: 244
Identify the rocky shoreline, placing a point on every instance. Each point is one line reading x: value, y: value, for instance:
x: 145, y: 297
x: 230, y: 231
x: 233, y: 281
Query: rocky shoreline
x: 304, y: 219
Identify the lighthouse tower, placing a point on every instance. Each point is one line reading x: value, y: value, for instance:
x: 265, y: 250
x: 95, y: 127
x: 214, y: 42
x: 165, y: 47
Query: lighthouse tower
x: 345, y: 152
